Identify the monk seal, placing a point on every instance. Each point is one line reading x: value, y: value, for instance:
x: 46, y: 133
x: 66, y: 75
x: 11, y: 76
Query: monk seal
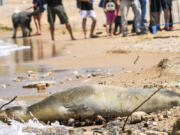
x: 90, y: 101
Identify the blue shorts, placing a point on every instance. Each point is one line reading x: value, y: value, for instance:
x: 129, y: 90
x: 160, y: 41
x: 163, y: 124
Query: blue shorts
x: 101, y: 3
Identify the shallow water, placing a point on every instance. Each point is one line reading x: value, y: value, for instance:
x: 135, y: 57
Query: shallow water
x: 17, y: 51
x: 64, y: 79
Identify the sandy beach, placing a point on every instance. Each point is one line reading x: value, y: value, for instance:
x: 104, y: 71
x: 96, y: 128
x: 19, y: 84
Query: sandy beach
x: 145, y: 61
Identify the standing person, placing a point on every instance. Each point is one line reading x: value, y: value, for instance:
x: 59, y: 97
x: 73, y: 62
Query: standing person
x: 155, y: 14
x: 86, y: 11
x: 165, y: 7
x: 124, y: 7
x: 170, y: 15
x: 55, y: 7
x: 38, y: 6
x: 111, y: 13
x: 118, y: 20
x: 143, y: 13
x: 155, y: 9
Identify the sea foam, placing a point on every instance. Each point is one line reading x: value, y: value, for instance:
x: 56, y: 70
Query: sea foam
x: 7, y: 48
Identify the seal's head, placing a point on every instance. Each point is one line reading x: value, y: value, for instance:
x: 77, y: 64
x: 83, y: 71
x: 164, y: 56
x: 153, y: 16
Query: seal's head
x: 17, y: 113
x: 3, y: 116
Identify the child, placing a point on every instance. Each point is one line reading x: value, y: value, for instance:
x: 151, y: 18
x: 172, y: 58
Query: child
x: 38, y: 6
x: 110, y: 9
x: 118, y: 20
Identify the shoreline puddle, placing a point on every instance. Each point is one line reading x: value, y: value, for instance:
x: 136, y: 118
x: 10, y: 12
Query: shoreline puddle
x: 11, y: 83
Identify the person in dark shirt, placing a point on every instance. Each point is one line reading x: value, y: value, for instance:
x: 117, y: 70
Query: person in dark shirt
x: 86, y: 10
x: 38, y: 6
x: 55, y: 7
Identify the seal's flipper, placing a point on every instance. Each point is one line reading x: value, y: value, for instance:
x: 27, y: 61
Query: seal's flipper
x: 81, y: 110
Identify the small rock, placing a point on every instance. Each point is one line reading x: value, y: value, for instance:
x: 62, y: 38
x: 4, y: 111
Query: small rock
x: 5, y: 85
x: 71, y: 122
x: 30, y: 72
x: 41, y: 87
x: 137, y: 117
x: 68, y: 79
x: 160, y: 117
x: 36, y: 84
x: 33, y: 76
x: 48, y: 74
x: 75, y: 72
x: 21, y: 78
x: 89, y: 75
x: 61, y: 82
x: 16, y: 80
x: 79, y: 76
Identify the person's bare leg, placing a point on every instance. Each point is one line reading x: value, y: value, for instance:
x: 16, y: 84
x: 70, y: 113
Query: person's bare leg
x: 36, y: 24
x: 166, y: 18
x: 84, y: 27
x: 39, y: 23
x: 52, y: 32
x: 68, y: 27
x: 158, y: 21
x: 107, y: 29
x: 93, y: 25
x: 112, y: 28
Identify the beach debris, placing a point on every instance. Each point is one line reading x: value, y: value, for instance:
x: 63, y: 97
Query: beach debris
x: 165, y: 85
x: 136, y: 59
x: 5, y: 85
x: 32, y: 75
x: 79, y: 76
x: 89, y: 75
x: 137, y: 117
x: 140, y: 106
x: 68, y: 79
x: 118, y: 51
x: 75, y: 72
x: 48, y: 74
x: 21, y: 77
x: 61, y: 82
x: 17, y: 80
x: 102, y: 82
x: 41, y: 87
x: 163, y: 64
x: 8, y: 102
x: 40, y: 84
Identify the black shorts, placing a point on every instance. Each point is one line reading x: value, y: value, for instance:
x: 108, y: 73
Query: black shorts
x: 37, y: 11
x: 118, y: 21
x: 157, y: 5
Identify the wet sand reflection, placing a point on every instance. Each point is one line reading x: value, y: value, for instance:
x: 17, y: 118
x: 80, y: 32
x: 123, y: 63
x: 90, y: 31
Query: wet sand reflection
x: 39, y: 49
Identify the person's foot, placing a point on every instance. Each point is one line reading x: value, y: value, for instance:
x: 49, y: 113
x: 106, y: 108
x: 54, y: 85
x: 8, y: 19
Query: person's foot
x: 73, y: 38
x: 125, y: 34
x: 53, y: 42
x: 133, y: 31
x: 166, y: 29
x: 159, y: 29
x: 171, y: 28
x: 37, y: 33
x: 93, y: 36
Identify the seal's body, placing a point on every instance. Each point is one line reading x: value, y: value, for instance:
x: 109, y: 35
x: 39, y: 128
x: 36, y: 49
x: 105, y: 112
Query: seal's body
x: 87, y: 102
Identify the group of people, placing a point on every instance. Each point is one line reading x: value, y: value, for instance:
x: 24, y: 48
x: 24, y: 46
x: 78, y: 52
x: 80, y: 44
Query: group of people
x: 116, y: 12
